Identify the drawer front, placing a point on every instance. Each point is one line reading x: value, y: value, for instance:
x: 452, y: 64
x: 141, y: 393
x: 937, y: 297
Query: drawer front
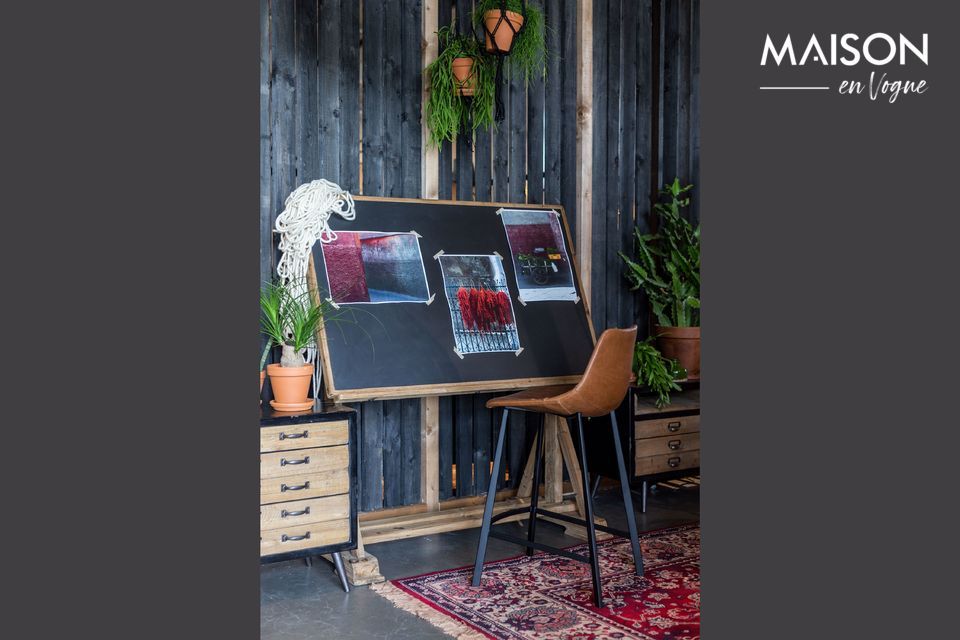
x: 303, y: 436
x: 295, y: 538
x: 667, y: 444
x: 289, y: 463
x: 301, y: 487
x: 301, y: 512
x: 667, y: 462
x: 666, y: 426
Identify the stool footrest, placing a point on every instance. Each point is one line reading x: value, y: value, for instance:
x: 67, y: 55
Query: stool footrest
x: 508, y: 513
x: 539, y: 545
x: 581, y: 522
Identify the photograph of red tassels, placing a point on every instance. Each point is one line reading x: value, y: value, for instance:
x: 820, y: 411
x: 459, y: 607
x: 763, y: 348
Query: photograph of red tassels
x: 481, y: 311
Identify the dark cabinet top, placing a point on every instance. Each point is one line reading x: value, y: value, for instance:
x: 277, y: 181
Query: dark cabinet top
x: 321, y: 411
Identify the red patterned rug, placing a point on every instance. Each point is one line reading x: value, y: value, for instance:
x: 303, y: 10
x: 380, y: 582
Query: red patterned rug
x: 547, y: 596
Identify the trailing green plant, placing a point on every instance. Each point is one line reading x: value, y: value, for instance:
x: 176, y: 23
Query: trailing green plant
x: 290, y: 320
x: 667, y: 263
x: 448, y: 112
x: 528, y: 54
x: 655, y: 371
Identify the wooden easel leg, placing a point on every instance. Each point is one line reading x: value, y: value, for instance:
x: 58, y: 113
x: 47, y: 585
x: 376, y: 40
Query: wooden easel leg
x: 525, y: 488
x: 576, y: 480
x: 361, y: 567
x: 430, y: 452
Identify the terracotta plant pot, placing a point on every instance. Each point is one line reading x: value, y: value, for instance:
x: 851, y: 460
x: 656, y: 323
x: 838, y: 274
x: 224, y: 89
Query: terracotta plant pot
x: 290, y: 384
x: 503, y: 34
x: 263, y: 376
x: 682, y: 344
x: 466, y: 82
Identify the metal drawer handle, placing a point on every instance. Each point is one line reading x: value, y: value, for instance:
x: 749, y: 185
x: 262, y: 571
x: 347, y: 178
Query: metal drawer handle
x: 295, y: 487
x: 674, y: 444
x: 286, y: 538
x: 674, y: 462
x: 673, y: 427
x: 294, y: 436
x: 291, y: 514
x: 284, y: 462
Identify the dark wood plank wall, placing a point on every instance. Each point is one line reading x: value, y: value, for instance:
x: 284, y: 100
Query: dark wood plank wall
x: 330, y: 66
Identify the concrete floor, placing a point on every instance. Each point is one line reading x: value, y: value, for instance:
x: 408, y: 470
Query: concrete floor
x: 298, y: 602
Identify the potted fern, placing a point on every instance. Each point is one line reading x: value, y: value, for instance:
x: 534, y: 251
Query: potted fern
x: 667, y: 268
x: 290, y: 321
x: 461, y: 82
x: 514, y: 28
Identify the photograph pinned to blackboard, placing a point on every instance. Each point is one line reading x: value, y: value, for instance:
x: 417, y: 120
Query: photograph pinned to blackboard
x: 540, y: 258
x: 375, y: 267
x: 481, y: 312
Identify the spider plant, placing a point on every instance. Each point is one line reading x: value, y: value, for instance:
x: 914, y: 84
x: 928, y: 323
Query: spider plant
x: 528, y: 54
x: 449, y: 111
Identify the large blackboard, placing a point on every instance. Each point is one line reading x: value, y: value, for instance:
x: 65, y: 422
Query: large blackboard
x: 395, y: 350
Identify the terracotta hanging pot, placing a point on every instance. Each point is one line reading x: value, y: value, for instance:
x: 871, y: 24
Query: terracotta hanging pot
x: 465, y: 81
x: 290, y: 386
x: 263, y: 376
x: 681, y: 344
x: 502, y: 34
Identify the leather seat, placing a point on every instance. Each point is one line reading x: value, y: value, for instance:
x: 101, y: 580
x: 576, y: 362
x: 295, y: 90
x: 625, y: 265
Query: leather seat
x: 600, y: 391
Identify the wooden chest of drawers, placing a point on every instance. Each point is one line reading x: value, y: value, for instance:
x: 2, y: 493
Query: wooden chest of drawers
x: 308, y: 465
x: 657, y: 443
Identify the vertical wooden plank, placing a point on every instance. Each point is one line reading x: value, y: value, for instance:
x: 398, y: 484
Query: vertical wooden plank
x: 483, y: 164
x: 430, y: 476
x: 482, y: 442
x: 373, y: 97
x: 646, y: 123
x: 517, y: 124
x: 430, y: 159
x: 411, y: 74
x: 445, y: 154
x: 447, y: 446
x: 695, y: 111
x: 392, y: 454
x: 614, y: 130
x: 600, y: 162
x: 371, y: 452
x: 584, y: 141
x: 410, y: 437
x: 553, y: 17
x: 671, y: 91
x: 463, y: 422
x: 568, y: 131
x: 282, y: 105
x: 628, y: 159
x: 683, y: 90
x: 552, y: 461
x: 266, y: 215
x: 536, y: 96
x: 349, y: 110
x: 464, y: 163
x: 391, y: 93
x: 330, y: 115
x: 308, y: 93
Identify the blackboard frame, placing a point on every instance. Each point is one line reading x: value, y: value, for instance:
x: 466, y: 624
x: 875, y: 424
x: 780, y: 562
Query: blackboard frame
x: 417, y: 391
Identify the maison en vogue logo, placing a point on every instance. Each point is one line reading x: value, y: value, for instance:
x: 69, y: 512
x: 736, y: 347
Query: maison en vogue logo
x: 880, y: 51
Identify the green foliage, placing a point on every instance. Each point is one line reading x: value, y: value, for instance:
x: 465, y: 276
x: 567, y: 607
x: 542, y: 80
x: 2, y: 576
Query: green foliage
x: 655, y: 371
x: 448, y: 112
x: 290, y: 319
x: 528, y: 54
x: 667, y: 263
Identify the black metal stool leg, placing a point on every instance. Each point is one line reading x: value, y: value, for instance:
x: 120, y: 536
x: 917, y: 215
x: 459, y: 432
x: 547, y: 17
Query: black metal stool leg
x: 341, y: 572
x: 491, y: 498
x: 627, y: 498
x: 535, y: 494
x: 588, y: 505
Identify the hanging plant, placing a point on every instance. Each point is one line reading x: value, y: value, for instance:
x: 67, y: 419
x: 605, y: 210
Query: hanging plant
x: 513, y: 28
x: 461, y: 82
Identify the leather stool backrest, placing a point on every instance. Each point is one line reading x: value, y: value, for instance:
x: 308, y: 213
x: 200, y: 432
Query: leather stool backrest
x: 605, y: 382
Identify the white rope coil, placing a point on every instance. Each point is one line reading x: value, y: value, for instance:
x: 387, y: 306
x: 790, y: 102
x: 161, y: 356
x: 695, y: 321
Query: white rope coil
x: 304, y: 220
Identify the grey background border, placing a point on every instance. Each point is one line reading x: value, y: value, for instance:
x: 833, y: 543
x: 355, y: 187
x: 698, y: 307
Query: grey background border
x: 830, y: 341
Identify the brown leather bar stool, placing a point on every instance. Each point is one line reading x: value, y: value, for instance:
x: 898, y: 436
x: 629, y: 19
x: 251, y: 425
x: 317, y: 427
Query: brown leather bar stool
x: 599, y: 392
